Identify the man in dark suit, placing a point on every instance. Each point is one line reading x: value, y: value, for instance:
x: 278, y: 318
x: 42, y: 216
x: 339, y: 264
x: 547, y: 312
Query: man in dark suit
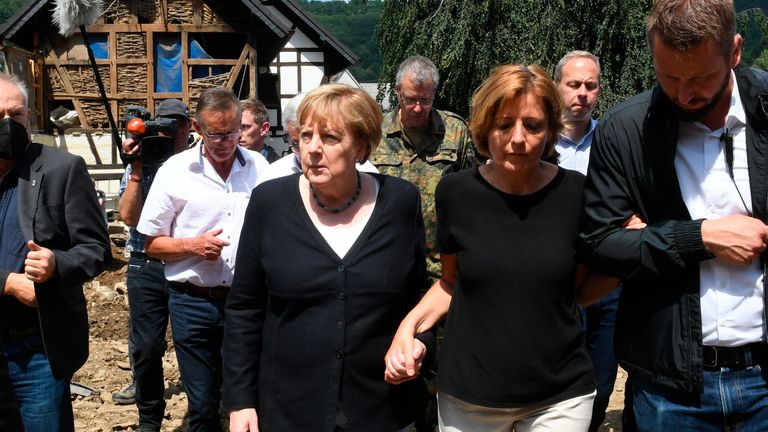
x: 52, y: 239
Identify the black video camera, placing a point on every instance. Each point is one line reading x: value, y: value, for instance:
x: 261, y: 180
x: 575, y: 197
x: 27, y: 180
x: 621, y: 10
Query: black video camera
x: 154, y: 149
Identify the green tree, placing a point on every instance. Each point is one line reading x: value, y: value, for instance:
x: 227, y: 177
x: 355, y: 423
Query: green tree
x: 762, y: 61
x: 8, y: 8
x: 353, y: 24
x: 467, y: 39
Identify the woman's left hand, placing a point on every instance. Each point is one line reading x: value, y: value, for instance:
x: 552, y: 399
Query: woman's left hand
x: 402, y: 367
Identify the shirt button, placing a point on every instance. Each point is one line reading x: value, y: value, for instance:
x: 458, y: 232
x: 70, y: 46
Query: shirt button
x: 342, y: 296
x: 341, y: 268
x: 339, y: 354
x: 723, y: 284
x: 340, y: 324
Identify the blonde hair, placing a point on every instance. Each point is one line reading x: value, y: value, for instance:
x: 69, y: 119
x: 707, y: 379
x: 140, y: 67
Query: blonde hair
x: 353, y: 107
x: 510, y: 82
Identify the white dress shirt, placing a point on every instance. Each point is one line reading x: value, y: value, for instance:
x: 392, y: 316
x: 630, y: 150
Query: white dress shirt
x: 731, y: 295
x: 189, y: 198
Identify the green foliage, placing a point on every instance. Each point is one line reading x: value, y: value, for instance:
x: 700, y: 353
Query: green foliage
x: 8, y: 8
x: 752, y: 23
x: 467, y: 39
x: 353, y: 24
x: 762, y: 61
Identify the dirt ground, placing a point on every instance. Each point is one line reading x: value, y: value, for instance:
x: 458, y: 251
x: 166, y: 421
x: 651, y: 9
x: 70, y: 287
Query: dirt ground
x: 107, y: 369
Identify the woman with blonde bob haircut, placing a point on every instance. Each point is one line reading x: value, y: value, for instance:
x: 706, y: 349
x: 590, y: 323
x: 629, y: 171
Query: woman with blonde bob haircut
x: 330, y: 261
x: 513, y: 357
x: 361, y: 115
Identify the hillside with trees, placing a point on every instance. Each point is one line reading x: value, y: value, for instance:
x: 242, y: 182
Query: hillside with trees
x: 353, y: 24
x: 8, y: 8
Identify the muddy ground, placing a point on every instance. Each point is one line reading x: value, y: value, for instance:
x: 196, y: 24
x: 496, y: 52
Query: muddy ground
x: 107, y: 369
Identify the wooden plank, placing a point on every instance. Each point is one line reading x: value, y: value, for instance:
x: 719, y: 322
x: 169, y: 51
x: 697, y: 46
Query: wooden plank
x: 64, y: 75
x: 254, y: 76
x: 158, y: 27
x: 197, y: 13
x: 117, y: 96
x: 235, y: 71
x: 113, y: 72
x: 185, y: 72
x: 218, y: 62
x: 151, y: 66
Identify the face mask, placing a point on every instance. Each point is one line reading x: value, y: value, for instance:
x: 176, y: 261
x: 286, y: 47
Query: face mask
x: 13, y: 139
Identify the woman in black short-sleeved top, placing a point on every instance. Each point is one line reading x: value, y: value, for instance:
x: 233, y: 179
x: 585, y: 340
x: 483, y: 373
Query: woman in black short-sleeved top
x: 513, y: 355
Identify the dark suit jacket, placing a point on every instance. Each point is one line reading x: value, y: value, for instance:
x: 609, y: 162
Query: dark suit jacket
x: 58, y: 210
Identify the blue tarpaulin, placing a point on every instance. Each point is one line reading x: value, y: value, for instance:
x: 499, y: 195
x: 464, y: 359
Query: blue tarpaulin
x: 99, y: 45
x: 168, y: 62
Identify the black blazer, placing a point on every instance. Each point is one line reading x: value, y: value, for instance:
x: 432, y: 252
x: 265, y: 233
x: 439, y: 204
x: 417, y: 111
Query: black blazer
x: 58, y: 209
x: 631, y: 170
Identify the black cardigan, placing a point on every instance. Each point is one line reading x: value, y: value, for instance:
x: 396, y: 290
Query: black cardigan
x: 631, y: 170
x: 305, y: 330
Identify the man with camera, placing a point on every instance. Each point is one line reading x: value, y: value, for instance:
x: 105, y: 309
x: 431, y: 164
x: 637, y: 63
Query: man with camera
x: 192, y: 219
x: 147, y: 287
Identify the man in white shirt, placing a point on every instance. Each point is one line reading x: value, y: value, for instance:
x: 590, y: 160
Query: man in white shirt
x: 689, y: 158
x: 192, y: 219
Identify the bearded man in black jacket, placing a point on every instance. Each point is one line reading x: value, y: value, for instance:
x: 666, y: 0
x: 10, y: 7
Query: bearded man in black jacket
x: 690, y: 158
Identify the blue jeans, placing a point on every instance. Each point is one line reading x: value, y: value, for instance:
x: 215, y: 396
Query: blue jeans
x: 598, y: 322
x: 10, y: 416
x: 44, y: 401
x: 198, y: 332
x: 733, y: 400
x: 148, y: 303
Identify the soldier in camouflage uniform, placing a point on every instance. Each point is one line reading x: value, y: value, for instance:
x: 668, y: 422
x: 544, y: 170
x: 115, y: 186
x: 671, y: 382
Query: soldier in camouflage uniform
x: 421, y: 144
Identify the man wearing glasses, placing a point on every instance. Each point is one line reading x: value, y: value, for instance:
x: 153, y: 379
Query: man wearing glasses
x: 192, y: 219
x: 421, y: 144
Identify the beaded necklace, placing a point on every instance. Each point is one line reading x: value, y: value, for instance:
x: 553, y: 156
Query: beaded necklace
x: 344, y: 206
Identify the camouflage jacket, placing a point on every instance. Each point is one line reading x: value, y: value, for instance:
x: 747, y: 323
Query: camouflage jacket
x: 448, y: 148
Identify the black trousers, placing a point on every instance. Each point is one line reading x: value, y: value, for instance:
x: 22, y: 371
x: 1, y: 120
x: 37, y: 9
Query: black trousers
x: 148, y: 304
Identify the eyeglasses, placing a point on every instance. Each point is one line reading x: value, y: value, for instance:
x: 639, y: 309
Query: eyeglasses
x: 294, y: 145
x: 409, y: 102
x: 219, y: 137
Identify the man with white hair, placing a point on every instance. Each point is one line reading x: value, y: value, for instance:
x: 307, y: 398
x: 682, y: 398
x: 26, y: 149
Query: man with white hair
x: 53, y: 238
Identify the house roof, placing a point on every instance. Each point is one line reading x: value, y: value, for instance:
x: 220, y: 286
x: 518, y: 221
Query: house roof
x: 338, y: 56
x: 315, y: 31
x: 17, y: 20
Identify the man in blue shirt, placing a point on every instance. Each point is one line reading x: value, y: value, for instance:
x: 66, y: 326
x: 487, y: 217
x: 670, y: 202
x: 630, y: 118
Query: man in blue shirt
x: 578, y: 77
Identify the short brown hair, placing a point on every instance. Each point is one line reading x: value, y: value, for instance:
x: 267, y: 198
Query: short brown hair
x: 510, y: 82
x: 684, y: 24
x: 356, y: 110
x: 220, y: 99
x: 256, y: 108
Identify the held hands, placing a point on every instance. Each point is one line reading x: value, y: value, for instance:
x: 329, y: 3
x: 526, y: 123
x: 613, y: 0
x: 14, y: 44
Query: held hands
x: 737, y: 239
x: 244, y: 420
x: 404, y: 358
x: 208, y: 246
x: 40, y: 264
